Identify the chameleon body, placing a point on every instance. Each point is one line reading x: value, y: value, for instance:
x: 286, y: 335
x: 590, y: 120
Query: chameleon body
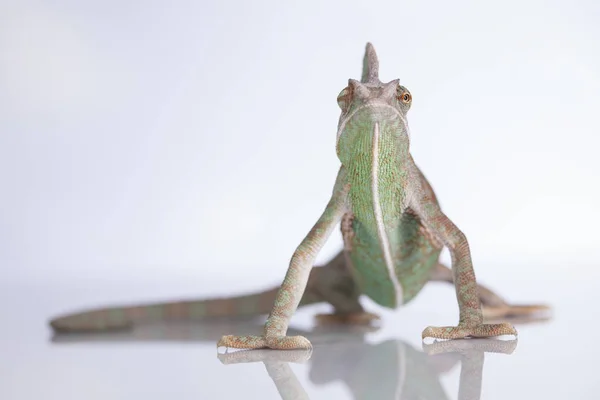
x: 393, y: 230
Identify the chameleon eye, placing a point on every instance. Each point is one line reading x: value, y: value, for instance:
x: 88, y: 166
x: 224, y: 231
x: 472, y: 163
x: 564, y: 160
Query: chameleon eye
x: 344, y: 98
x: 405, y: 97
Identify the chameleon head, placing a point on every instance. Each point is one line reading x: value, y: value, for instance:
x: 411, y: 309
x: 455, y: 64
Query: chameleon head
x: 373, y: 114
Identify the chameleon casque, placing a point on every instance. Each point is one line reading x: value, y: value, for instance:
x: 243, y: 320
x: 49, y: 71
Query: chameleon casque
x: 393, y: 231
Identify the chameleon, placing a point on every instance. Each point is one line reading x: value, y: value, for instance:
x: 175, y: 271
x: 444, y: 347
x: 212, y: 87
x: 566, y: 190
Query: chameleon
x: 393, y: 231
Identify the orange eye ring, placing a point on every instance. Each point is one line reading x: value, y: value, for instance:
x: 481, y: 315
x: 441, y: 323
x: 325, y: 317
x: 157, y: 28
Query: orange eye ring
x: 405, y: 97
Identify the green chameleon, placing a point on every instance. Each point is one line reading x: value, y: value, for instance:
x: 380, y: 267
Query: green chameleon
x: 393, y: 230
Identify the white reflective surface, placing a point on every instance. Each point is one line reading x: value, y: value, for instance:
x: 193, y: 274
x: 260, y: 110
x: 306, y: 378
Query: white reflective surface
x: 154, y: 151
x: 555, y: 359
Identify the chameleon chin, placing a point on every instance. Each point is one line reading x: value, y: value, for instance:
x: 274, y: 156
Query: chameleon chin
x: 393, y: 230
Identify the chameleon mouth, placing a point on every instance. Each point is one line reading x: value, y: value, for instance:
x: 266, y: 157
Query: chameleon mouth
x: 376, y: 110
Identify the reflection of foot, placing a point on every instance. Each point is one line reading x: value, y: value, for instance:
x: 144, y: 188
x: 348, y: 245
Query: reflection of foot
x: 509, y: 311
x: 461, y: 332
x: 240, y: 357
x: 262, y: 342
x: 362, y: 318
x: 276, y: 363
x: 462, y: 346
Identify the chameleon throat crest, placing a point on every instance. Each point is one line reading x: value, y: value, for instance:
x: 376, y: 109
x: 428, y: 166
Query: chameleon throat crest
x: 381, y: 233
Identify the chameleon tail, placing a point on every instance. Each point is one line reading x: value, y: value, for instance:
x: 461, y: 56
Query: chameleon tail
x: 370, y: 72
x: 123, y: 317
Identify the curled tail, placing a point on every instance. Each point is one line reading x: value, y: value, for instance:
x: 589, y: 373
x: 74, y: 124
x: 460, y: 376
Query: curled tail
x: 123, y: 317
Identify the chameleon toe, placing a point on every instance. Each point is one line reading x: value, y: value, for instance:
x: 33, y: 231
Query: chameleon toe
x: 491, y: 330
x: 461, y: 332
x: 445, y: 332
x: 261, y: 342
x: 242, y: 342
x: 289, y: 343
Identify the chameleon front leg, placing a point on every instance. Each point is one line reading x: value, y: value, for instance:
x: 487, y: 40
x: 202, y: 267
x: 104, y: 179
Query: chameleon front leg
x: 293, y: 286
x: 334, y: 284
x: 470, y: 322
x: 470, y: 314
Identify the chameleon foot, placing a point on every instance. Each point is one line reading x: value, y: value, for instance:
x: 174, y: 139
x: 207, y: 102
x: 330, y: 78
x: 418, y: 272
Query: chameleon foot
x: 508, y: 311
x: 261, y: 342
x: 461, y: 332
x: 360, y: 318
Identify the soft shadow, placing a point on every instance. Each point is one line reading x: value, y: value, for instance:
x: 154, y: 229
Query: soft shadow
x: 392, y: 369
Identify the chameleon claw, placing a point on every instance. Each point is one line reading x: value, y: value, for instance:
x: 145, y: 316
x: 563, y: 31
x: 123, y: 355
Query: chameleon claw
x: 462, y: 332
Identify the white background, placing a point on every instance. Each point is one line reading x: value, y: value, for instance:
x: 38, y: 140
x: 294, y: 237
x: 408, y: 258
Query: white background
x: 198, y: 138
x: 157, y: 151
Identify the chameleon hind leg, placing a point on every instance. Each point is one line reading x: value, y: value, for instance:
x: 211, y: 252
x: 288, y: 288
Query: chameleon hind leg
x: 358, y: 317
x: 493, y: 305
x: 337, y: 287
x: 471, y: 323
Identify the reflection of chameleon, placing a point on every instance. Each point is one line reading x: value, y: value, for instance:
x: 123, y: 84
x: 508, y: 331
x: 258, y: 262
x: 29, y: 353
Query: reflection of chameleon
x: 388, y: 370
x: 393, y: 230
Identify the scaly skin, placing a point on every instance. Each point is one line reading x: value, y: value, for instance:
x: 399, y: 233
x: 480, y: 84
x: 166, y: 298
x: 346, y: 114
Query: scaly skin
x: 392, y: 224
x: 393, y: 230
x: 296, y: 279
